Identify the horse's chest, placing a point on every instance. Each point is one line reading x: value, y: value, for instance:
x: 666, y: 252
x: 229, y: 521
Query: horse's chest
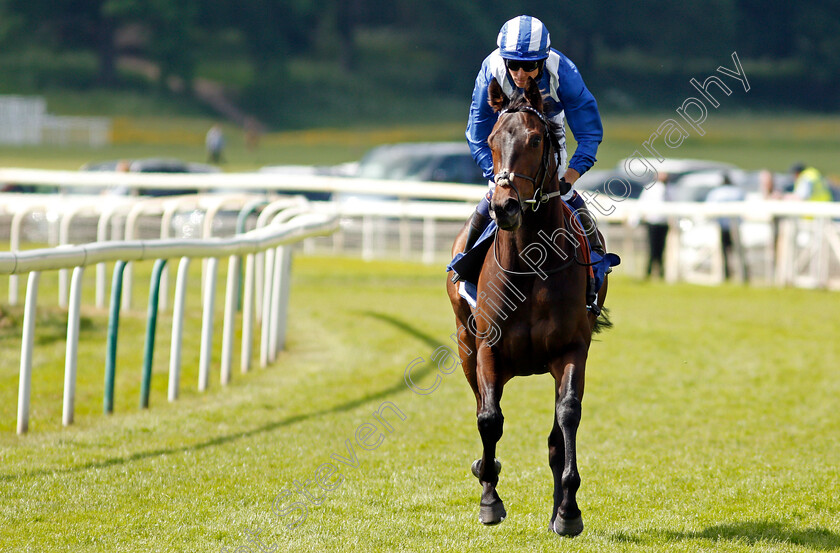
x: 537, y: 326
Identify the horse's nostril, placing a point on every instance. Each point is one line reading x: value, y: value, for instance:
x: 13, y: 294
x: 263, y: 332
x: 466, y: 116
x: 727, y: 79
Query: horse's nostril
x: 511, y: 206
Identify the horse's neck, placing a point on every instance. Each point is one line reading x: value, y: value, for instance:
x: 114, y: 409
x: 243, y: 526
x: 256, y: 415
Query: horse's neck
x: 532, y: 236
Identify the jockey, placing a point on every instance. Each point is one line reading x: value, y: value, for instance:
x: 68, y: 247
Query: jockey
x: 524, y: 51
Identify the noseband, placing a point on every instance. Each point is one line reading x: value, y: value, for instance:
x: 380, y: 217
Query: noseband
x: 539, y: 197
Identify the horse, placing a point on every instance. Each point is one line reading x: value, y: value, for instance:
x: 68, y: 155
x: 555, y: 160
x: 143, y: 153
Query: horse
x: 528, y: 319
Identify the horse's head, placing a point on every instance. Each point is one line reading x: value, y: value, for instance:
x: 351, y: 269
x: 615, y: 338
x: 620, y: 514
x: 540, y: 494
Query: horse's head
x: 519, y: 147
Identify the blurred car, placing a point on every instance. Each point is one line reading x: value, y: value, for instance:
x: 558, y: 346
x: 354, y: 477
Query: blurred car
x: 619, y: 183
x: 422, y: 161
x: 615, y: 184
x: 416, y: 161
x: 310, y: 170
x: 696, y: 186
x: 151, y: 165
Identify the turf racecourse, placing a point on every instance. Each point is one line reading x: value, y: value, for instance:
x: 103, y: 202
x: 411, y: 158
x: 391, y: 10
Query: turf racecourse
x: 710, y: 424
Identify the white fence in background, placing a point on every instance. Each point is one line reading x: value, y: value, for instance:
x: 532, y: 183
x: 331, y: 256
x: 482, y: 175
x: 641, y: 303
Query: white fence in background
x: 784, y: 243
x: 24, y: 121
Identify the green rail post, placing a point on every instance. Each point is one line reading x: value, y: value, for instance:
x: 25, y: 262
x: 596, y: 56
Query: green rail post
x: 113, y: 330
x: 151, y: 326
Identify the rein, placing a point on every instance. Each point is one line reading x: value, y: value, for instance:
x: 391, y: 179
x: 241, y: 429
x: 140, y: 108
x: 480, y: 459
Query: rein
x: 562, y: 267
x: 539, y: 197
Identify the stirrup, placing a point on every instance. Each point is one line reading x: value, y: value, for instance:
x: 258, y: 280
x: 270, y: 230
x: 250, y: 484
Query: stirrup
x: 592, y: 298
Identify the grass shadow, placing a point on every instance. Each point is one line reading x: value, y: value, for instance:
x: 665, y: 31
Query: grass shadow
x: 430, y: 341
x: 398, y: 387
x: 762, y: 532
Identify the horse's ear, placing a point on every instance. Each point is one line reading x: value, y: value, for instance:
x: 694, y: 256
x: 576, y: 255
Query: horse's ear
x: 495, y: 96
x: 533, y: 94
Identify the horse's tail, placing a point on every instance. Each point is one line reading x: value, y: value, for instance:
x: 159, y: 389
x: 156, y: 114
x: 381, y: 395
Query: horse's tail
x: 603, y: 321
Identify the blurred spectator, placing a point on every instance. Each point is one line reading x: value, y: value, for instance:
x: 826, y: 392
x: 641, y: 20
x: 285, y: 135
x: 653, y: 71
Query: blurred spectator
x: 252, y: 133
x: 767, y: 185
x: 657, y: 224
x: 809, y: 184
x: 215, y: 142
x: 122, y: 166
x: 729, y: 236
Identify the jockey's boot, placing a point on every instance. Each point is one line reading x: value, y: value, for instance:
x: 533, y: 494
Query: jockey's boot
x: 478, y: 223
x: 591, y: 229
x: 589, y: 224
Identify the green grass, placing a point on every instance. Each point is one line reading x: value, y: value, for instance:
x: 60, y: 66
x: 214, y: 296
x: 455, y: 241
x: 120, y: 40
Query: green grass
x: 709, y: 424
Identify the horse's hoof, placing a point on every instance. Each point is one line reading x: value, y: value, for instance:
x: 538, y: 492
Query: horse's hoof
x: 476, y: 467
x: 492, y: 514
x: 568, y: 527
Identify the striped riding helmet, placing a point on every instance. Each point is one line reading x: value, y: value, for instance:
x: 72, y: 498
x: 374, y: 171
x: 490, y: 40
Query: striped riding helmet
x: 524, y: 38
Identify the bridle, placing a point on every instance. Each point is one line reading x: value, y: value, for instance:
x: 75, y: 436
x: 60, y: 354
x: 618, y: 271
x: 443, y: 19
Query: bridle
x: 539, y: 196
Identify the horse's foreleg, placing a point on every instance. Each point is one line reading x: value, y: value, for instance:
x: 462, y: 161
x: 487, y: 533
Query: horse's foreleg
x: 566, y: 519
x: 556, y: 461
x: 490, y: 423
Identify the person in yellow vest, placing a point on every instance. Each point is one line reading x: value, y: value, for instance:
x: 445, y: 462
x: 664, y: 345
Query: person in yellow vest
x: 809, y: 184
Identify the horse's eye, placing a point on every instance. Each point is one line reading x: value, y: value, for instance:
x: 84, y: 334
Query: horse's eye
x: 536, y: 141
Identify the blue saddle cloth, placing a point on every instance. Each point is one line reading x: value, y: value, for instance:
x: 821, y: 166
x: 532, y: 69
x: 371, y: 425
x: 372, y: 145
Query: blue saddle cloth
x: 468, y: 264
x: 602, y: 265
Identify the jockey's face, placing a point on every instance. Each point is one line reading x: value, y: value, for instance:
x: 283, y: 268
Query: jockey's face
x: 520, y: 71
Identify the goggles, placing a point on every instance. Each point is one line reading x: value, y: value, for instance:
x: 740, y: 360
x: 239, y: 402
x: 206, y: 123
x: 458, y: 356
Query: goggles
x: 525, y: 65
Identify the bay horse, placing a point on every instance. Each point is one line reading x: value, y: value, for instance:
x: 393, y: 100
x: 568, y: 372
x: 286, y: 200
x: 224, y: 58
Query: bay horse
x: 527, y: 320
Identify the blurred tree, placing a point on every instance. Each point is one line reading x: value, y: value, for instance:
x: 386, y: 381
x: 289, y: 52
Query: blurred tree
x: 671, y: 30
x: 817, y: 45
x: 416, y: 48
x: 11, y: 22
x: 765, y: 33
x: 579, y: 29
x: 172, y: 37
x: 72, y: 24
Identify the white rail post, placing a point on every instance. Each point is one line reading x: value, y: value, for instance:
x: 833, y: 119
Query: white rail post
x: 169, y: 211
x: 14, y: 245
x: 178, y: 328
x: 231, y: 292
x: 405, y: 231
x: 282, y: 301
x: 368, y: 230
x: 248, y: 314
x: 823, y: 255
x: 71, y: 356
x: 267, y: 286
x: 280, y: 280
x: 428, y: 240
x: 102, y: 235
x: 672, y: 269
x: 207, y: 316
x: 65, y: 223
x: 25, y: 385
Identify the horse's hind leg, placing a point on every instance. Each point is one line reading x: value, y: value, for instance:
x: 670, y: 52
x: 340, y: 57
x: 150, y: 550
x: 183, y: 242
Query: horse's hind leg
x: 490, y: 423
x: 566, y: 517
